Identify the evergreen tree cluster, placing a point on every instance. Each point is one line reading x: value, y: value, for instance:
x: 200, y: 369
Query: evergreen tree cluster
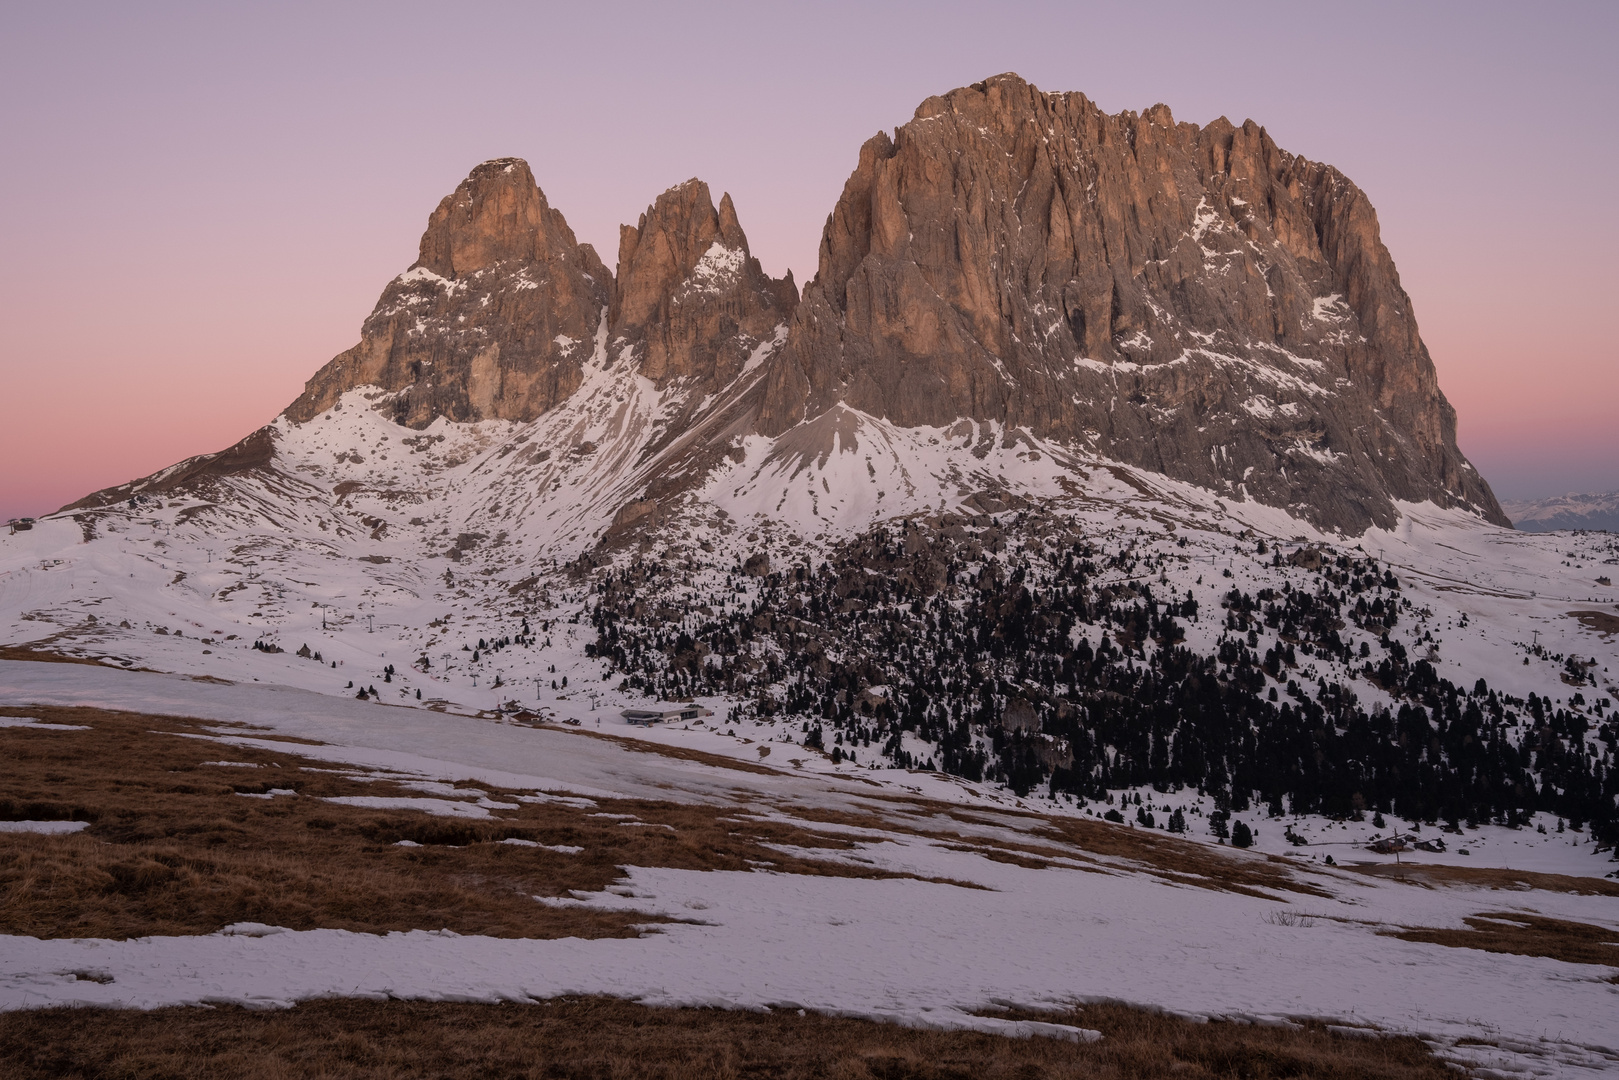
x: 1021, y: 651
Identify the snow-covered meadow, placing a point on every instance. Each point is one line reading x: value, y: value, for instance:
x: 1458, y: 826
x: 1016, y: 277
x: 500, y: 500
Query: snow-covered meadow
x: 1079, y: 927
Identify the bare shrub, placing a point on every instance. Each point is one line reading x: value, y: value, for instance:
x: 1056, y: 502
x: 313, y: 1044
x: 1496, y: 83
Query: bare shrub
x: 1283, y: 917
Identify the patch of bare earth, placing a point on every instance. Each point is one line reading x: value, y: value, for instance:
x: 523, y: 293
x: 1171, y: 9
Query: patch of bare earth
x: 1526, y: 934
x: 682, y: 753
x: 1187, y: 862
x: 1600, y: 621
x: 1488, y: 877
x: 46, y: 656
x: 608, y: 1039
x: 180, y: 846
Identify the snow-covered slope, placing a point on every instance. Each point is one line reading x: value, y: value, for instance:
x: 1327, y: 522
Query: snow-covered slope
x: 377, y: 549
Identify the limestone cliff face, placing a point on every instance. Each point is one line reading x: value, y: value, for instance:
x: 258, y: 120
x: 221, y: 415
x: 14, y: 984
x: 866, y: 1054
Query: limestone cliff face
x: 501, y: 311
x: 1192, y: 300
x: 691, y: 300
x: 495, y: 319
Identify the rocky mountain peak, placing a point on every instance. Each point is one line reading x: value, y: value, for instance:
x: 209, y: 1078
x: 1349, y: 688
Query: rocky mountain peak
x: 661, y: 250
x: 1016, y: 273
x: 499, y: 314
x: 494, y: 321
x: 498, y: 214
x: 691, y: 299
x: 1195, y: 301
x: 730, y: 228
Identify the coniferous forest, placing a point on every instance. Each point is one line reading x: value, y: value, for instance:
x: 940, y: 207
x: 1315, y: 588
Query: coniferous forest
x: 1022, y: 651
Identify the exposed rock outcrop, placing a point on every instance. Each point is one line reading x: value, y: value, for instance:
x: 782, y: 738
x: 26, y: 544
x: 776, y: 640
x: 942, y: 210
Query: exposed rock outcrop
x: 502, y: 310
x: 693, y: 306
x: 495, y: 319
x: 691, y: 299
x: 1191, y: 300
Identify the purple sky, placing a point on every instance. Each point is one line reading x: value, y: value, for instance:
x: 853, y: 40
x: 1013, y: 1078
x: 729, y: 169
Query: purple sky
x: 200, y: 204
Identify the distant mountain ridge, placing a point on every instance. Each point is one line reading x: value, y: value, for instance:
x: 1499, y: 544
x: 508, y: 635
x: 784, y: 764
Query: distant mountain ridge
x: 1571, y: 511
x: 1011, y: 269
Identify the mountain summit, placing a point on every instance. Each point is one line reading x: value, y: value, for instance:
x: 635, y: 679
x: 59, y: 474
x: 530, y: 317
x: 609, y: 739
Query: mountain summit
x: 487, y: 321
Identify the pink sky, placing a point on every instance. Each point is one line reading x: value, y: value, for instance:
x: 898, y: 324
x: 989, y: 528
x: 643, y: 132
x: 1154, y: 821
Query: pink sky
x: 199, y: 207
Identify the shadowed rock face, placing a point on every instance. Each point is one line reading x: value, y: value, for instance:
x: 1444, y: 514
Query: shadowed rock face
x: 1192, y: 300
x: 693, y: 306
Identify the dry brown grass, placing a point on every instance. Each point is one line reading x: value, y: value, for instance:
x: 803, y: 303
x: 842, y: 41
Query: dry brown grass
x: 175, y: 848
x: 684, y: 753
x: 1187, y: 862
x: 1172, y: 858
x: 1600, y: 621
x: 608, y: 1039
x: 1488, y: 877
x: 1527, y: 935
x: 1078, y: 841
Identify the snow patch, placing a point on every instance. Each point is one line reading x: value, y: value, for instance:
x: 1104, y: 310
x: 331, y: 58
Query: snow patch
x: 48, y: 828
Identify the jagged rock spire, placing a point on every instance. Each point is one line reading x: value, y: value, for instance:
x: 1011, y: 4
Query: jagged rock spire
x: 689, y: 292
x: 494, y: 320
x: 501, y: 311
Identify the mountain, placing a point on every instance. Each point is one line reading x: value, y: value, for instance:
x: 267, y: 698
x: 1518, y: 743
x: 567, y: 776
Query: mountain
x: 1571, y: 511
x: 1095, y: 501
x: 1012, y: 269
x: 1100, y: 451
x: 496, y: 318
x: 1193, y: 301
x: 621, y: 378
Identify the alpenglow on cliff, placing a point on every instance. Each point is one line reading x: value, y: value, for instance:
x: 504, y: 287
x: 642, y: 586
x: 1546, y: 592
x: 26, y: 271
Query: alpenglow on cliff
x: 1190, y: 301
